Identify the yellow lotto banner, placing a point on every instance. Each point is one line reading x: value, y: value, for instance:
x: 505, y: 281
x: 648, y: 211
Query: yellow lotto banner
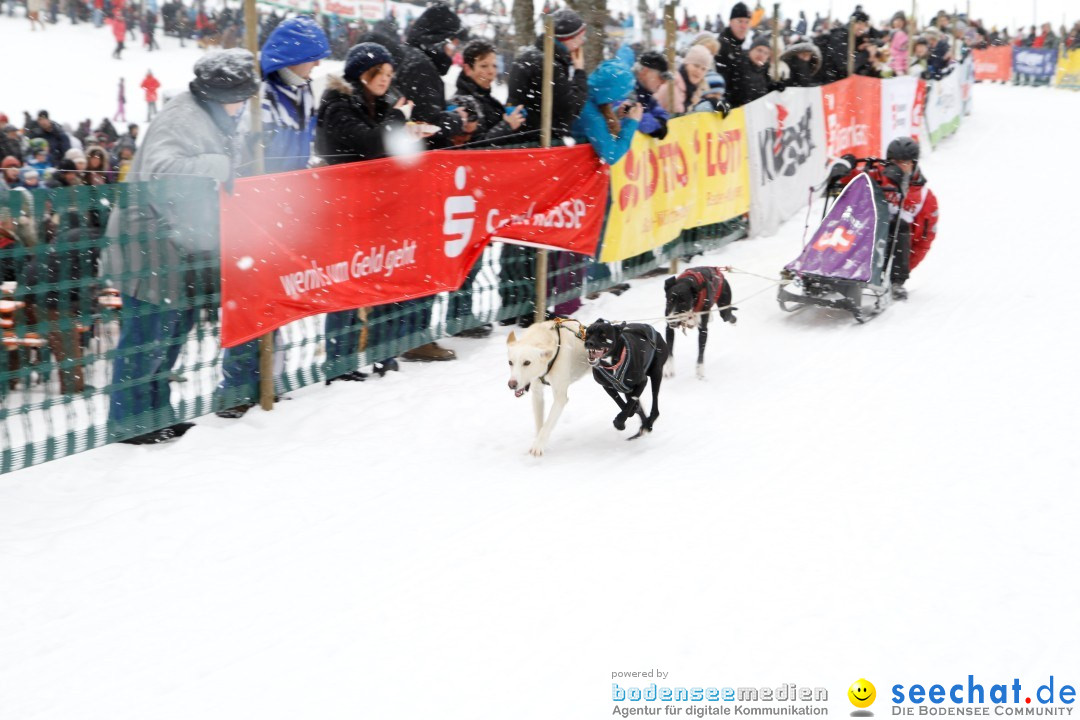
x: 698, y: 175
x: 1068, y: 71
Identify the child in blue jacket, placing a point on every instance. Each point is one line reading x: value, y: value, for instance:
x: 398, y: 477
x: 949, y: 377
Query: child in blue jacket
x: 608, y: 120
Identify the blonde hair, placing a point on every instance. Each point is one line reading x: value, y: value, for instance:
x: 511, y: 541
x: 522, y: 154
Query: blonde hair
x: 709, y: 41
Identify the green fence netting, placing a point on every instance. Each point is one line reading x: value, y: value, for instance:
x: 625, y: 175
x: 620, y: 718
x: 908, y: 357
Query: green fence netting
x: 109, y: 311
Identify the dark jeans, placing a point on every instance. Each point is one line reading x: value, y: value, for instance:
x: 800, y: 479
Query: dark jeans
x: 405, y: 325
x: 65, y: 345
x: 240, y: 368
x: 151, y: 339
x: 569, y: 277
x: 459, y: 313
x: 901, y: 265
x: 389, y: 326
x: 517, y: 275
x: 639, y: 264
x: 342, y: 342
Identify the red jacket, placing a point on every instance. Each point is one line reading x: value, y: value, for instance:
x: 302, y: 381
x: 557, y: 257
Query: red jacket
x: 920, y: 209
x: 119, y: 28
x: 150, y: 84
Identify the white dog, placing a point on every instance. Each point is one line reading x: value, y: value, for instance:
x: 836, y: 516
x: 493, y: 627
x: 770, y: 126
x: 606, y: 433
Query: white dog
x: 548, y: 353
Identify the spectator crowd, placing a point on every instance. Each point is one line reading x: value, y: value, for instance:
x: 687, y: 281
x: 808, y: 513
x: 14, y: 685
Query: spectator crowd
x: 392, y: 86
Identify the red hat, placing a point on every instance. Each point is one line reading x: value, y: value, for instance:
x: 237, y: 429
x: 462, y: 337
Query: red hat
x: 10, y: 162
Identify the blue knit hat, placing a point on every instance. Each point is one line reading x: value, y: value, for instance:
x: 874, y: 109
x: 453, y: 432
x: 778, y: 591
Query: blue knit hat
x: 363, y: 57
x: 715, y: 83
x: 294, y: 41
x: 610, y: 82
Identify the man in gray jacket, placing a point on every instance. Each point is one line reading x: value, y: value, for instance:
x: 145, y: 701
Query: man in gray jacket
x: 163, y: 243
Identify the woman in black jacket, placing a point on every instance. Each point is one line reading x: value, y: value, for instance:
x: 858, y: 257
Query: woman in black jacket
x: 803, y: 61
x: 494, y: 126
x: 356, y: 116
x: 478, y: 72
x: 356, y: 112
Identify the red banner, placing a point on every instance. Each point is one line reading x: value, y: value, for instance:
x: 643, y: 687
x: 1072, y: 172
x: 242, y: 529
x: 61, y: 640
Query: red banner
x: 852, y: 117
x: 994, y: 63
x: 362, y: 234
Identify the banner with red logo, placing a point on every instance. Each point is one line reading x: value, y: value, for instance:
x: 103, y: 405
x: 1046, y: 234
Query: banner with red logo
x: 697, y: 175
x: 787, y: 154
x: 362, y: 234
x: 994, y: 63
x: 852, y: 117
x: 903, y: 102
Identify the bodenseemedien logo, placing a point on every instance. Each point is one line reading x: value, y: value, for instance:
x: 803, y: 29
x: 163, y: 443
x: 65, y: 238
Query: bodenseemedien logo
x: 862, y: 695
x: 701, y: 701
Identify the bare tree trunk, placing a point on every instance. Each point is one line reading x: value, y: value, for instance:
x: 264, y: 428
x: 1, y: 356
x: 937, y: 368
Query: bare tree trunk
x: 594, y: 12
x: 646, y: 26
x: 524, y: 22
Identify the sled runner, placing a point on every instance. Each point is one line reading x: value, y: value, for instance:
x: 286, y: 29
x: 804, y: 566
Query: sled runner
x: 846, y: 264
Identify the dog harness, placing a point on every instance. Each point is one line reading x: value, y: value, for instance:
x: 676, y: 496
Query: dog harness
x: 558, y: 346
x: 710, y: 284
x: 642, y: 343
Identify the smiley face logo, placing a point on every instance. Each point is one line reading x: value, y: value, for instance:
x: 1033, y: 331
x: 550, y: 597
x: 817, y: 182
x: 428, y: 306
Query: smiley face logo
x: 862, y: 693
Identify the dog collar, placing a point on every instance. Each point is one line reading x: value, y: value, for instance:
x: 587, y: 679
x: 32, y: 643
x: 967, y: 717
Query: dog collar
x: 614, y: 368
x: 558, y: 346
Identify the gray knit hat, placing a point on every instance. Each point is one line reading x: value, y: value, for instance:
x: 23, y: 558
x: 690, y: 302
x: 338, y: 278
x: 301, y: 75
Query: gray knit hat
x: 225, y: 76
x: 567, y: 23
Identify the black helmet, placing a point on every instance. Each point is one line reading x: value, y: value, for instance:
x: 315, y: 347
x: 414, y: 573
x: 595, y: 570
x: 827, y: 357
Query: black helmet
x: 903, y: 148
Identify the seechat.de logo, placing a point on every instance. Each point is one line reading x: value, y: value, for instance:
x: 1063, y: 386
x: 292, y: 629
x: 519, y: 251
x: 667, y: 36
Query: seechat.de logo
x: 862, y: 695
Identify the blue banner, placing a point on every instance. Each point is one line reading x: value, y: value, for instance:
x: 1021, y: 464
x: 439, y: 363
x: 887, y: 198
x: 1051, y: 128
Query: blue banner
x: 1035, y: 62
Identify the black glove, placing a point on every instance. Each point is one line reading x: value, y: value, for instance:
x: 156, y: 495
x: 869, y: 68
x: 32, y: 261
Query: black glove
x: 842, y: 167
x: 894, y: 174
x: 661, y: 132
x: 839, y: 170
x: 472, y: 107
x: 721, y: 106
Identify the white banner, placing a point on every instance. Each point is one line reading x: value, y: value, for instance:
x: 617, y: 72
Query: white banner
x: 967, y: 82
x: 370, y: 10
x: 902, y: 101
x: 943, y: 106
x: 295, y: 6
x: 787, y: 155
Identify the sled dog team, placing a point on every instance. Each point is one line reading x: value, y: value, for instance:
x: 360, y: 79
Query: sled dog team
x: 625, y: 358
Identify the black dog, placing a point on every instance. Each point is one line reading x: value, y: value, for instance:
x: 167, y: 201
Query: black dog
x: 624, y: 359
x: 690, y: 298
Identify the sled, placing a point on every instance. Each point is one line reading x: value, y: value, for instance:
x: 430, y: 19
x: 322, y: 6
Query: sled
x: 847, y: 262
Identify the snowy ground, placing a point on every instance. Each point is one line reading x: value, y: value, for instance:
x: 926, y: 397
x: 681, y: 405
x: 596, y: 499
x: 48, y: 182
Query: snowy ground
x: 894, y: 501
